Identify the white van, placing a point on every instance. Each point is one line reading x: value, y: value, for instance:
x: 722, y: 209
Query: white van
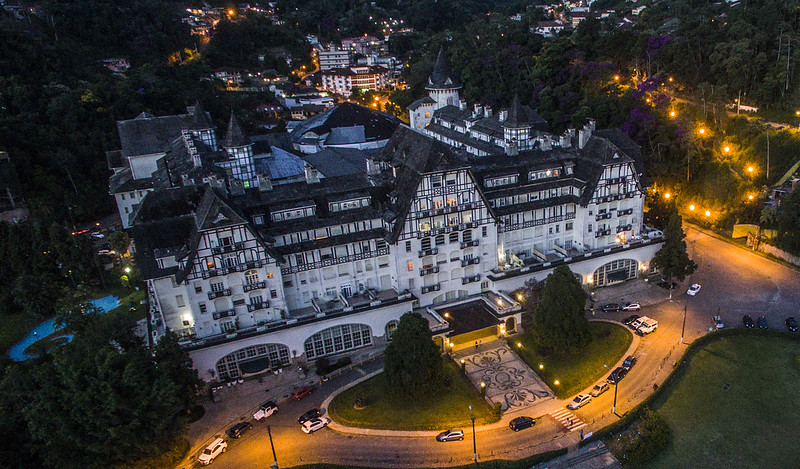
x: 646, y: 325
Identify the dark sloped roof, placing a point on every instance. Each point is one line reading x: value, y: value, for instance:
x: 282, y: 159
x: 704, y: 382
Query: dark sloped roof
x: 599, y: 151
x: 280, y: 164
x: 334, y: 162
x: 631, y: 148
x: 426, y: 100
x: 523, y: 116
x: 346, y: 135
x: 146, y: 135
x: 235, y: 137
x: 414, y: 154
x: 442, y: 77
x: 123, y: 181
x: 377, y: 125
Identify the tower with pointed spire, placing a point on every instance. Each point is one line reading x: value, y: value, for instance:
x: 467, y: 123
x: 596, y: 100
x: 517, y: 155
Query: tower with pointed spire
x: 202, y: 127
x: 442, y: 91
x: 239, y: 147
x: 516, y: 128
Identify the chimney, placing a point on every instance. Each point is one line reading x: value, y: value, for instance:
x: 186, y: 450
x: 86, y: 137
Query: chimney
x: 478, y: 110
x: 462, y: 104
x: 487, y: 111
x: 186, y: 181
x: 312, y: 176
x: 592, y: 124
x: 264, y: 183
x: 571, y: 132
x: 583, y: 136
x: 564, y: 140
x: 503, y: 115
x: 217, y: 182
x: 372, y: 168
x: 546, y: 144
x: 237, y: 187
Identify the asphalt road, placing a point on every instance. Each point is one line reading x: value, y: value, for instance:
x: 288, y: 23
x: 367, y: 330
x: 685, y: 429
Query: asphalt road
x: 734, y: 282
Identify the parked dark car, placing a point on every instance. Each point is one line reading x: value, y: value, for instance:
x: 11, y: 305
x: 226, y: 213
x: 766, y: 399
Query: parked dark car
x: 791, y: 324
x: 237, y: 430
x: 617, y: 375
x: 311, y: 414
x: 747, y: 320
x: 629, y: 320
x: 610, y: 308
x: 762, y: 322
x: 521, y: 423
x: 629, y: 362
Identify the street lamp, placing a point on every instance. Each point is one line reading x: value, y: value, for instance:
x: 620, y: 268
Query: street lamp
x: 274, y: 457
x: 614, y: 406
x: 750, y: 169
x: 691, y: 207
x: 474, y: 443
x: 708, y: 213
x: 727, y: 149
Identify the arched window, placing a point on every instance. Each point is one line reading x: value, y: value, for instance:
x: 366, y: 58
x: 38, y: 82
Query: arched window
x: 251, y: 277
x: 391, y: 326
x: 337, y: 339
x: 272, y: 355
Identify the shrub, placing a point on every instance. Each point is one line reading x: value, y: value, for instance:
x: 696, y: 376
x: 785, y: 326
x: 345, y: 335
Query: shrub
x: 360, y: 402
x: 497, y: 410
x: 323, y: 365
x: 648, y: 438
x: 447, y: 381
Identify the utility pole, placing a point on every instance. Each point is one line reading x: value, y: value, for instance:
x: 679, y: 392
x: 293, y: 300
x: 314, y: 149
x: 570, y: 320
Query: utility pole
x: 275, y: 458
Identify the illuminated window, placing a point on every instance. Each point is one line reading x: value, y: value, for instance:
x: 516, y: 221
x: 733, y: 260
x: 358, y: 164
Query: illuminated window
x: 410, y: 266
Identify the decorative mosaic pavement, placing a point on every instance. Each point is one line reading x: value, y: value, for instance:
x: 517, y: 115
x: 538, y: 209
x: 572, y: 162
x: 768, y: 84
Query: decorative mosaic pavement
x: 508, y: 379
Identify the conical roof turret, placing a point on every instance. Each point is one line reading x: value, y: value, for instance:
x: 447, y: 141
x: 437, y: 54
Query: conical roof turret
x: 235, y: 137
x: 442, y: 77
x: 200, y: 119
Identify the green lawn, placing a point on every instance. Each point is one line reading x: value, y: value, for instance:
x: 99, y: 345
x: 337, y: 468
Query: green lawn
x: 737, y: 405
x: 390, y: 411
x: 578, y: 370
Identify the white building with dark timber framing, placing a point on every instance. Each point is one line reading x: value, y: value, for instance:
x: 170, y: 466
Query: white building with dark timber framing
x: 464, y: 208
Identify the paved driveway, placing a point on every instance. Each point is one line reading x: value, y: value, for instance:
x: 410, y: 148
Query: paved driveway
x: 508, y: 379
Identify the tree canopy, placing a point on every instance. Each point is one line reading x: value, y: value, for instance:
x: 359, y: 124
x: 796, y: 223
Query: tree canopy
x: 559, y: 324
x: 672, y: 260
x: 413, y: 361
x: 98, y: 401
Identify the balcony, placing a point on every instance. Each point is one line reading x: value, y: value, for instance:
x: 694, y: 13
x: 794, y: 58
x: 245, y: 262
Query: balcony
x: 601, y: 233
x: 216, y: 272
x: 218, y: 294
x: 470, y: 279
x: 624, y: 212
x: 224, y: 314
x: 430, y: 288
x: 603, y: 216
x: 428, y: 271
x: 470, y: 261
x: 256, y: 306
x: 469, y: 244
x: 254, y: 286
x: 428, y: 252
x: 228, y: 248
x: 622, y: 228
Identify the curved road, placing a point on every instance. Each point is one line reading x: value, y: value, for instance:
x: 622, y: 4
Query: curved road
x: 734, y: 282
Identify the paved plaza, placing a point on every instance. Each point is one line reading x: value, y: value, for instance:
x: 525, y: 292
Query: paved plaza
x: 508, y: 379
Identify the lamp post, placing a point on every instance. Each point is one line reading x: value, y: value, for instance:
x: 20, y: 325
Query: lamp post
x: 274, y: 457
x: 474, y: 443
x: 683, y: 327
x: 614, y: 406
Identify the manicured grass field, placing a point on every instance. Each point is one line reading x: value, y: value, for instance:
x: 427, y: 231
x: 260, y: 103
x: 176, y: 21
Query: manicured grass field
x: 580, y: 369
x: 737, y: 405
x: 397, y: 412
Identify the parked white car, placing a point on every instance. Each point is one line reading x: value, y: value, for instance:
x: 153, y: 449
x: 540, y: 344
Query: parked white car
x: 310, y: 426
x: 579, y: 401
x: 211, y: 451
x: 692, y: 291
x: 265, y: 410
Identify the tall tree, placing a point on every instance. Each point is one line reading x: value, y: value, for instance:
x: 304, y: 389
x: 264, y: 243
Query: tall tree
x: 672, y: 260
x: 559, y: 324
x: 413, y: 361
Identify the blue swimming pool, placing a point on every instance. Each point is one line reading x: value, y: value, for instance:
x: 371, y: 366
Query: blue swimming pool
x: 44, y: 329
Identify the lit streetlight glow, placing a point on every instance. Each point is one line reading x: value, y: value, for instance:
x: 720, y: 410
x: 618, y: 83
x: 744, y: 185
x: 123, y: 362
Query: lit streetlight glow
x: 691, y: 207
x: 727, y: 149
